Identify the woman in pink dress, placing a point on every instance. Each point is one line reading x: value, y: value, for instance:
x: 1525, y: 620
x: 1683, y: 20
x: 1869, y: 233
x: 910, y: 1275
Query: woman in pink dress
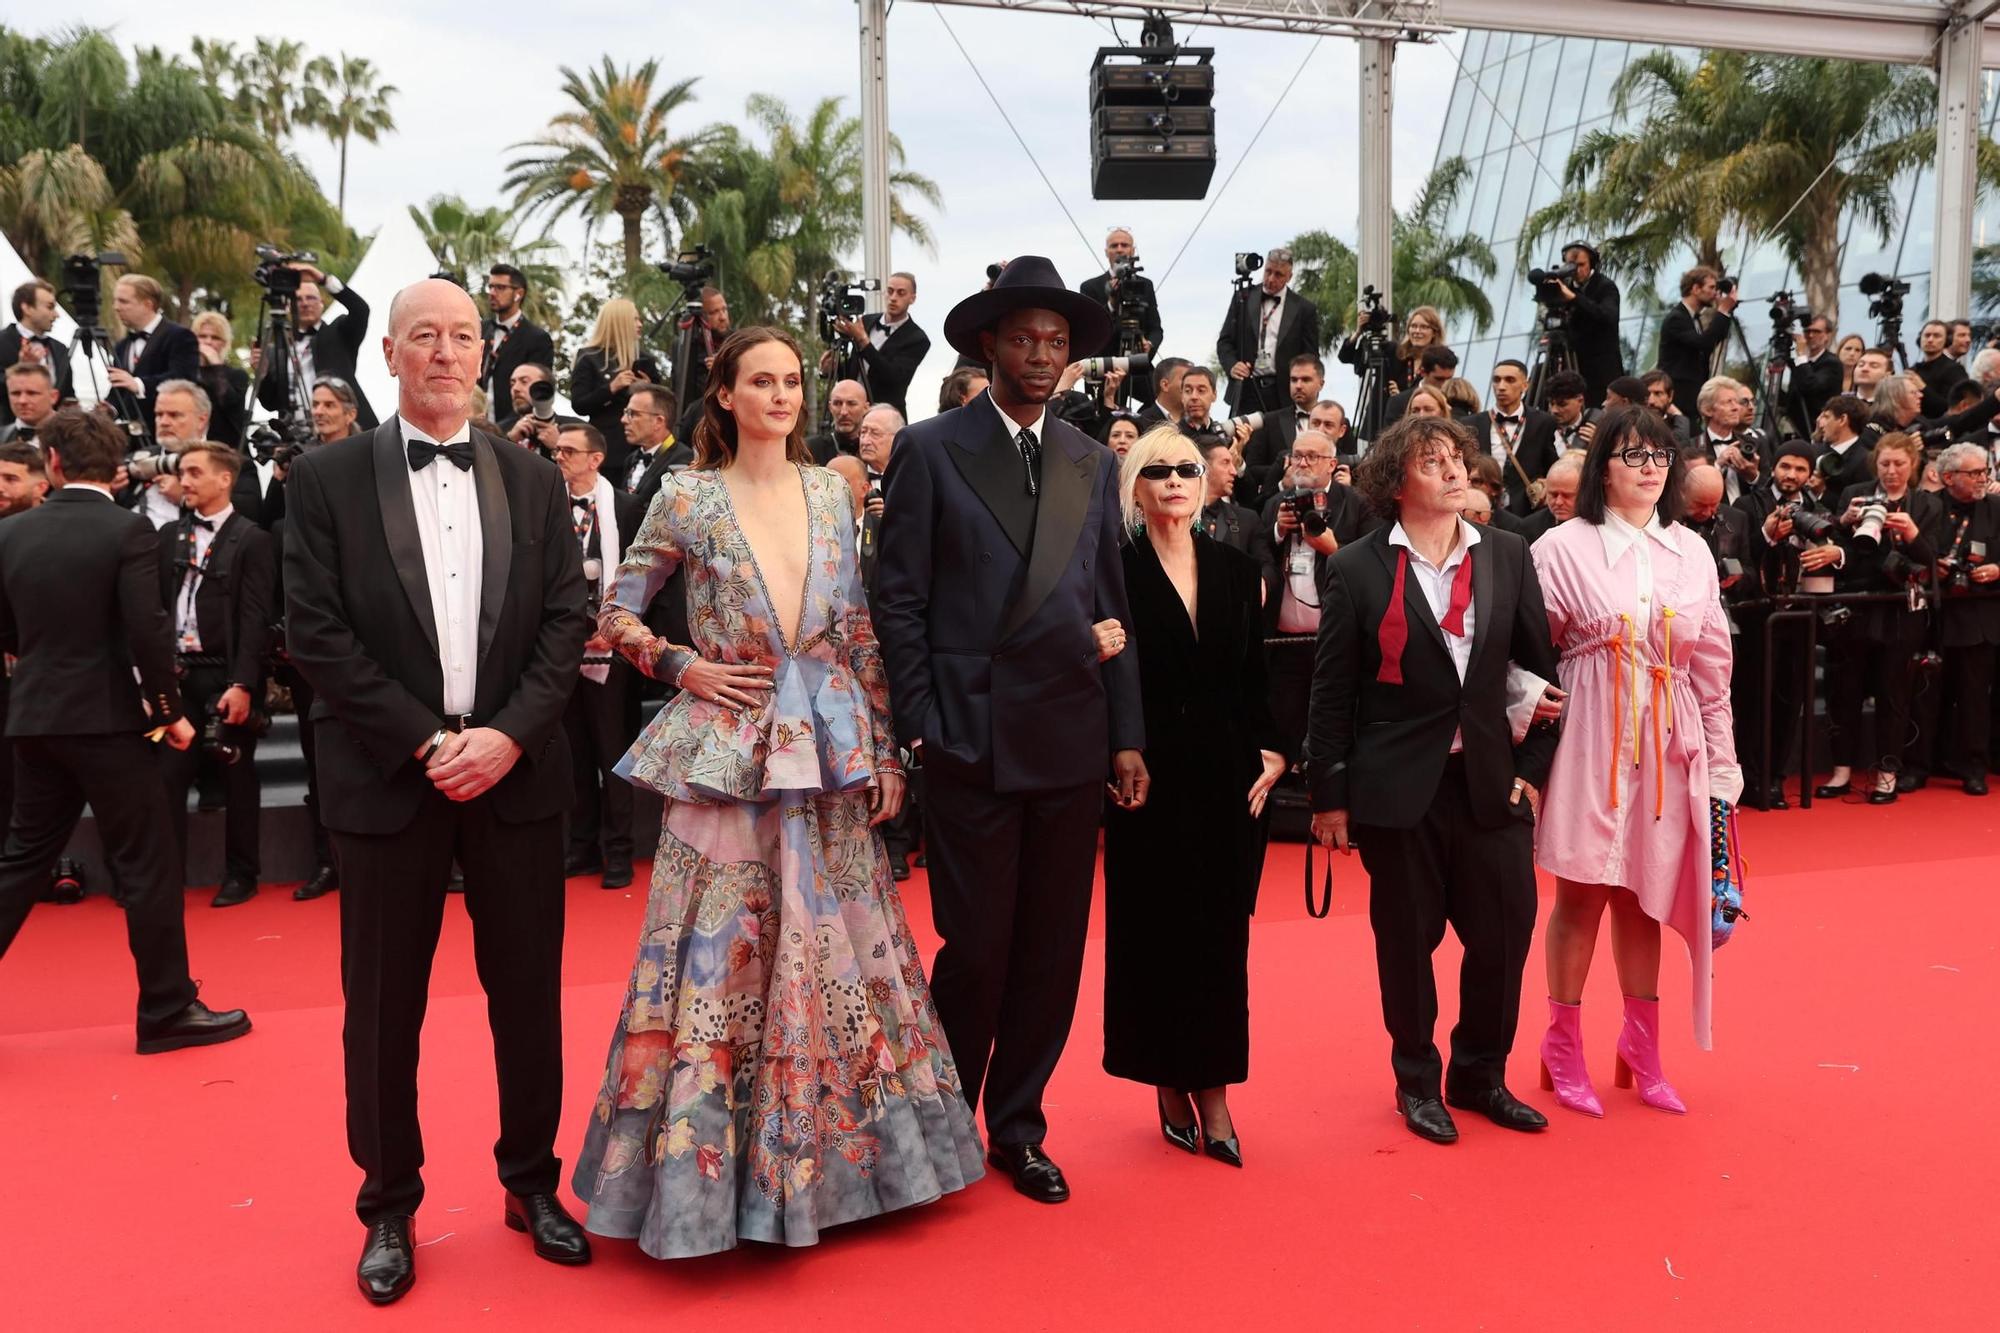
x: 1636, y: 614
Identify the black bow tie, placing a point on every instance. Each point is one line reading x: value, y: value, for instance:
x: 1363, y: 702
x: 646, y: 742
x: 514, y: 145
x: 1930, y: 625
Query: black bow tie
x: 584, y: 501
x: 423, y: 453
x: 1270, y: 298
x: 206, y: 524
x: 1511, y: 421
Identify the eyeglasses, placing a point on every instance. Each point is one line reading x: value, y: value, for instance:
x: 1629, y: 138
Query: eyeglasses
x: 1981, y: 473
x: 1161, y: 471
x: 631, y: 412
x: 568, y: 451
x: 1636, y: 457
x: 500, y: 287
x: 1312, y: 458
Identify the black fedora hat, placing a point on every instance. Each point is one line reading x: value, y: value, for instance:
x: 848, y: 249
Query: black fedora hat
x: 1029, y: 282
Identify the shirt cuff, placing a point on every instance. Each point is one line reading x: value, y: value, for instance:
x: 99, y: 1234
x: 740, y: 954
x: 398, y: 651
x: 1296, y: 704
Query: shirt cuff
x: 334, y: 286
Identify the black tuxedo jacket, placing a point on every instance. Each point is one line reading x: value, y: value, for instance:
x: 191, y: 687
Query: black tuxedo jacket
x: 1347, y: 518
x: 886, y: 371
x: 1264, y: 457
x: 1230, y: 524
x: 1378, y: 751
x: 1298, y: 333
x: 526, y: 341
x: 1730, y: 537
x: 359, y: 625
x: 985, y: 596
x: 1970, y: 619
x: 335, y: 347
x: 80, y: 607
x: 170, y: 354
x: 1534, y: 449
x: 58, y: 364
x: 1685, y: 348
x: 1939, y: 377
x: 1594, y: 335
x: 1814, y: 381
x: 232, y: 603
x: 1841, y: 473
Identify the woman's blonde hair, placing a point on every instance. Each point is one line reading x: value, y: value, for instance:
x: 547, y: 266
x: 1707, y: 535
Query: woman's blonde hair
x: 1161, y: 444
x: 214, y: 319
x: 1462, y: 395
x: 617, y: 333
x: 1425, y: 389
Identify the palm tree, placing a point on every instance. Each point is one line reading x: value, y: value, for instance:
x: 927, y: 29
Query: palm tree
x: 612, y: 153
x: 216, y: 59
x: 345, y: 101
x: 57, y: 202
x: 271, y: 86
x: 1427, y: 267
x: 469, y: 241
x: 84, y: 70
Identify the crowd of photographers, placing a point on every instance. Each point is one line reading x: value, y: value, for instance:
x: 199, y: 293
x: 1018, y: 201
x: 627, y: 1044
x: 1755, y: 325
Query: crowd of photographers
x: 1856, y: 495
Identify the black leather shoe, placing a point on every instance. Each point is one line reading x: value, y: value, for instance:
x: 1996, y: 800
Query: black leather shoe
x: 1033, y: 1173
x: 324, y: 881
x: 1907, y: 782
x: 1826, y: 791
x: 1776, y: 800
x: 234, y: 893
x: 556, y: 1234
x: 582, y: 863
x: 1185, y: 1137
x: 899, y: 868
x: 388, y: 1261
x: 923, y: 861
x: 617, y: 875
x: 1426, y: 1118
x: 1975, y: 786
x: 196, y: 1025
x: 1500, y: 1106
x: 1882, y: 797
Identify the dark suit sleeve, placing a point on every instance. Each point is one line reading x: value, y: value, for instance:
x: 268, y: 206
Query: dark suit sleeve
x: 1309, y: 327
x: 1226, y: 353
x: 256, y: 575
x: 1264, y: 549
x: 149, y: 634
x: 183, y: 359
x: 1682, y: 333
x: 386, y: 718
x: 535, y: 709
x: 1121, y: 673
x: 1335, y: 685
x: 1972, y: 418
x: 893, y: 365
x: 1599, y: 311
x: 589, y: 386
x: 1532, y: 648
x: 352, y: 328
x: 903, y: 587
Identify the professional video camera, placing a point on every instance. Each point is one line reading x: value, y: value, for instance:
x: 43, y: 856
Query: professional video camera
x: 1371, y: 337
x: 1886, y: 307
x: 83, y: 287
x: 1545, y: 281
x: 1131, y: 303
x: 1554, y: 350
x: 277, y: 442
x: 1247, y: 263
x: 690, y: 268
x: 275, y: 274
x: 840, y: 299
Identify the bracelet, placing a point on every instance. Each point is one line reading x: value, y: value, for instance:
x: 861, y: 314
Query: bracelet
x: 681, y: 674
x: 437, y: 740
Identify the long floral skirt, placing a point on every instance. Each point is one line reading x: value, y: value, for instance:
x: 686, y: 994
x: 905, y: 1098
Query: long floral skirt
x: 778, y: 1067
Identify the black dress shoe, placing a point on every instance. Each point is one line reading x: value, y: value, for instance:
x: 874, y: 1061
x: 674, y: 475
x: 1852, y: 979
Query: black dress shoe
x: 1976, y: 786
x: 388, y: 1262
x: 1908, y: 781
x: 899, y: 868
x: 556, y: 1234
x: 1500, y: 1106
x: 196, y: 1025
x: 1826, y: 791
x: 1882, y: 797
x: 1033, y: 1173
x: 1185, y: 1137
x: 1426, y: 1118
x: 324, y: 881
x: 582, y: 863
x: 234, y: 893
x: 1776, y: 800
x: 922, y: 861
x: 617, y: 875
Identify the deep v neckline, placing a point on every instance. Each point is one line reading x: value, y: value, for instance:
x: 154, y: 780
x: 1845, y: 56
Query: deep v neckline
x: 786, y: 642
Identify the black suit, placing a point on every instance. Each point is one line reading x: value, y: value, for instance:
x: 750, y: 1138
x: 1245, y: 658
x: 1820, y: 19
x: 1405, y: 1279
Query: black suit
x: 1231, y: 525
x: 1594, y: 334
x: 1437, y: 831
x: 1242, y: 333
x: 334, y: 346
x: 1686, y: 349
x: 1940, y: 374
x: 80, y: 605
x: 1844, y: 471
x: 170, y: 353
x: 232, y: 606
x: 985, y: 595
x: 57, y: 362
x: 1534, y: 451
x: 1264, y: 455
x: 360, y: 626
x: 1814, y: 382
x: 885, y: 371
x: 526, y: 341
x: 1137, y: 388
x: 602, y: 720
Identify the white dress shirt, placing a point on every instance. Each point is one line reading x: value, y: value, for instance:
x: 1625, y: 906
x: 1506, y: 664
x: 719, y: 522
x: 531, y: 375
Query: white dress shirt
x: 1298, y: 594
x: 140, y: 338
x: 1267, y: 341
x: 447, y: 505
x: 880, y: 333
x: 186, y: 626
x: 1435, y: 581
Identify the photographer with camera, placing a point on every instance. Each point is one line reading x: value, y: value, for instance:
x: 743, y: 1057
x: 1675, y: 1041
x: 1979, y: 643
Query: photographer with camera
x: 217, y: 572
x: 1687, y: 345
x: 1816, y: 370
x: 320, y: 349
x: 846, y: 404
x: 519, y: 397
x: 181, y: 415
x: 80, y: 606
x: 27, y: 341
x: 1262, y: 439
x: 1520, y: 438
x: 606, y: 368
x: 512, y: 339
x: 32, y: 396
x: 1267, y: 325
x: 655, y: 453
x: 154, y: 348
x: 1938, y: 371
x: 1887, y: 529
x: 888, y: 347
x: 1125, y: 291
x: 1423, y: 328
x: 537, y: 423
x: 1591, y: 301
x: 1898, y: 407
x: 1967, y: 541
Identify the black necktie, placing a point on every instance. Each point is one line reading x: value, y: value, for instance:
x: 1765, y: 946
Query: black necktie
x: 1031, y: 454
x: 423, y: 453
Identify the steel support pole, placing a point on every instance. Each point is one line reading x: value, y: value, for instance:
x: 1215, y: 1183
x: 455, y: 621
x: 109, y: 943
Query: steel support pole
x: 1378, y: 80
x: 1959, y: 57
x: 874, y: 143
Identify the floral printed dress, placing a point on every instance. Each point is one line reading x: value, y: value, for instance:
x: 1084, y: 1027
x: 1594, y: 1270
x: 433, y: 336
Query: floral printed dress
x: 778, y: 1067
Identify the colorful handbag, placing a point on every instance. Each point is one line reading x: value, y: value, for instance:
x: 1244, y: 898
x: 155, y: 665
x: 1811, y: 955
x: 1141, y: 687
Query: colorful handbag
x: 1726, y: 854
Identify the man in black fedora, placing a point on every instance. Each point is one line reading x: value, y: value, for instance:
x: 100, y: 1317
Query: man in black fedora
x: 999, y: 549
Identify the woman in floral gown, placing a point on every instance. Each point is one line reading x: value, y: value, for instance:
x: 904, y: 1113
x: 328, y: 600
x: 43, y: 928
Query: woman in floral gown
x: 778, y: 1067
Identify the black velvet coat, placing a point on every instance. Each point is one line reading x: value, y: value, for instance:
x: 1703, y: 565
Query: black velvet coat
x: 1181, y: 872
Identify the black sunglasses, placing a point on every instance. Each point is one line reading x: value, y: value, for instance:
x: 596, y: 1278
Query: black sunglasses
x: 1161, y: 471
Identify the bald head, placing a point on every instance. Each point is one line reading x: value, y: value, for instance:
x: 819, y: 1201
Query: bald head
x: 434, y: 295
x: 845, y: 403
x: 1701, y: 491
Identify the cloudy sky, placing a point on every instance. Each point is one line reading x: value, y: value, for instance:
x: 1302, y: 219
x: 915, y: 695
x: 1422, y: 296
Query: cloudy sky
x: 474, y: 80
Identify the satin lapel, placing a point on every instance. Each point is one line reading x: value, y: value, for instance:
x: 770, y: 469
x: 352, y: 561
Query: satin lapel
x: 1484, y: 560
x: 399, y: 522
x: 1416, y: 607
x: 991, y: 465
x: 496, y: 534
x: 1069, y: 466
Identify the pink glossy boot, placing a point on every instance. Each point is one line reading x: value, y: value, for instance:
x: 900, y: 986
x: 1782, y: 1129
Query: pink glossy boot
x: 1639, y: 1056
x: 1563, y: 1072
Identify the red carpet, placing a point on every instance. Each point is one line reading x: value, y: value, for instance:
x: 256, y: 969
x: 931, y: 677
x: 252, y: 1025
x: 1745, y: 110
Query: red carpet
x: 1837, y: 1170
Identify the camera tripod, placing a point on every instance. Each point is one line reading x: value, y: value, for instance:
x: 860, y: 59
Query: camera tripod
x: 1372, y: 400
x: 281, y: 366
x: 1554, y: 354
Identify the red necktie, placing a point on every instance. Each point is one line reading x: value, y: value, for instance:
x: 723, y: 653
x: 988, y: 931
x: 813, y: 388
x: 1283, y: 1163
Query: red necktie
x: 1461, y: 597
x: 1393, y: 635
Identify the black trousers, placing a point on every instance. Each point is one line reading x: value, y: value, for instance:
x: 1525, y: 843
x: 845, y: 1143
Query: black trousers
x: 53, y: 777
x: 242, y: 793
x: 392, y: 896
x: 1482, y: 881
x: 1964, y: 744
x: 1010, y: 893
x: 602, y: 721
x: 1859, y: 667
x: 302, y: 701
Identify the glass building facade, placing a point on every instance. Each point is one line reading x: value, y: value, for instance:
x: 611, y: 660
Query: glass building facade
x: 1554, y: 90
